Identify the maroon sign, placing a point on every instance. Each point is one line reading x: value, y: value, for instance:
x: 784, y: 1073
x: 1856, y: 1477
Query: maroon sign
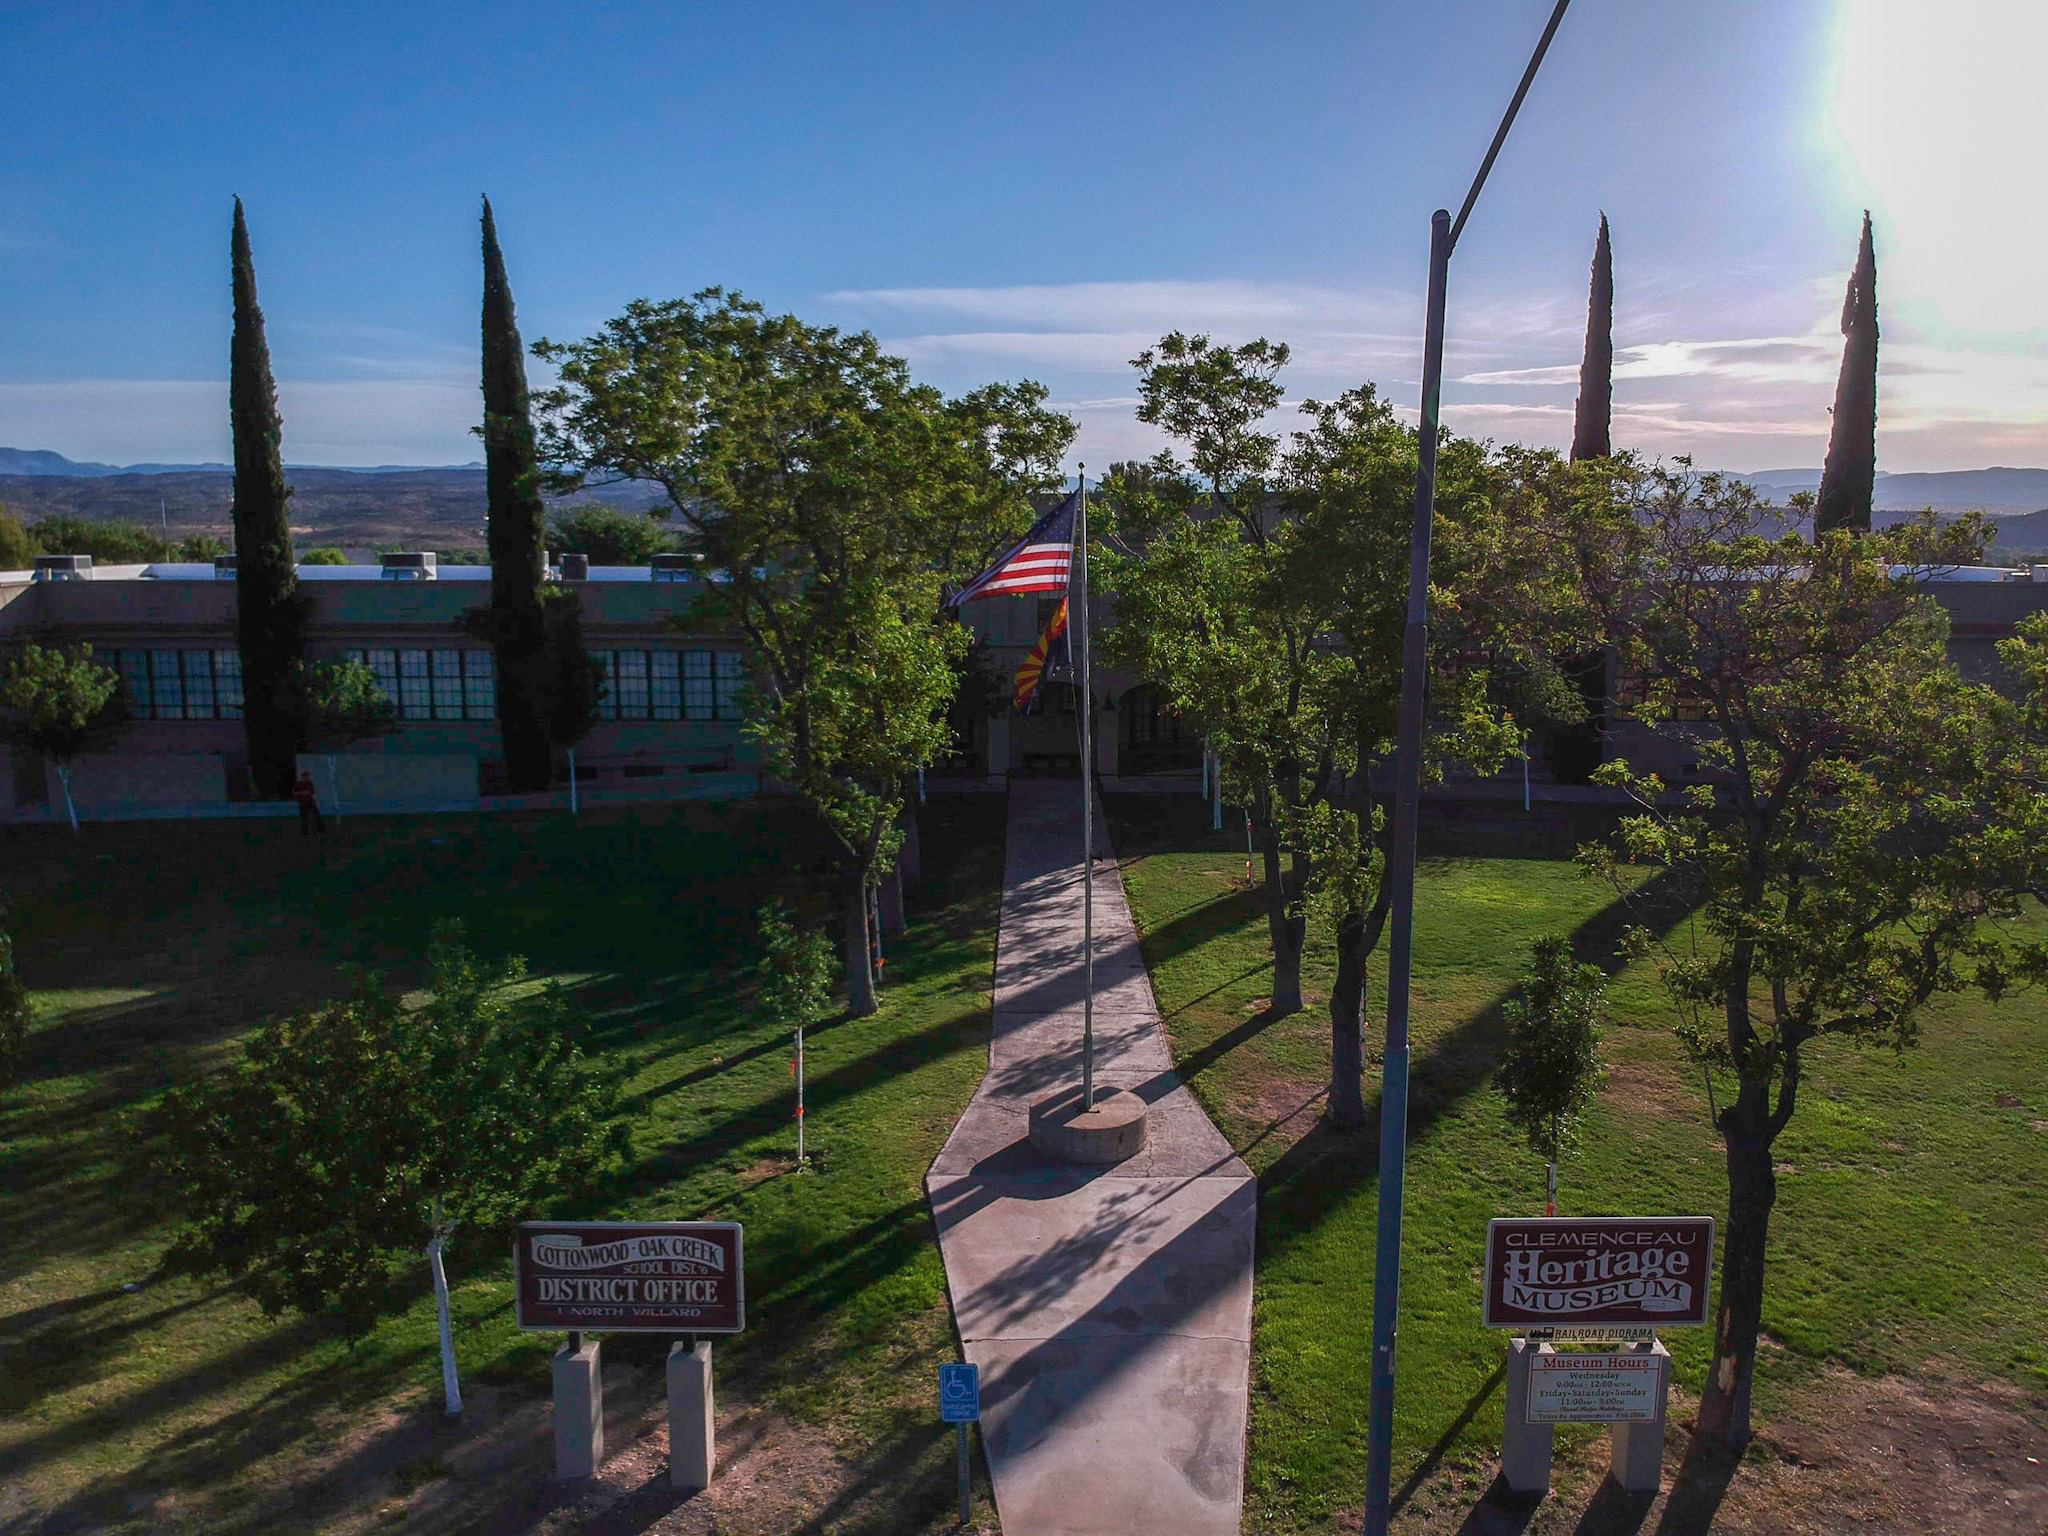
x: 630, y: 1277
x: 1598, y: 1272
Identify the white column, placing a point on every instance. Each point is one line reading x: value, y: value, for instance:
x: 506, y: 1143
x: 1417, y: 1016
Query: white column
x: 579, y: 1409
x: 691, y: 1451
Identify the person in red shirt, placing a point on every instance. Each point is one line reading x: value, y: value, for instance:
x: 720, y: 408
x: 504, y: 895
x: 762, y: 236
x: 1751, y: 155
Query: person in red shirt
x: 310, y: 820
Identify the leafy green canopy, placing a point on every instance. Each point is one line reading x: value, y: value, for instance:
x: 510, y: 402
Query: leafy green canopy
x: 344, y: 703
x: 1550, y: 1072
x: 59, y: 703
x: 795, y: 969
x: 311, y: 1168
x: 1868, y: 826
x: 829, y: 497
x: 609, y: 536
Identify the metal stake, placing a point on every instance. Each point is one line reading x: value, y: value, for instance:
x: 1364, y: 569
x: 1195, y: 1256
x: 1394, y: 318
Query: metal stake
x: 966, y: 1482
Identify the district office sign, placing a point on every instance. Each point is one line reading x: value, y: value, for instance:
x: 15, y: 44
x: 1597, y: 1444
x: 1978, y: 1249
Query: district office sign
x: 1621, y: 1388
x: 1547, y: 1272
x: 630, y: 1277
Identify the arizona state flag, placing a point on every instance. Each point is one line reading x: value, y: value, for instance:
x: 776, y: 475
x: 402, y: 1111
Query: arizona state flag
x: 1031, y: 676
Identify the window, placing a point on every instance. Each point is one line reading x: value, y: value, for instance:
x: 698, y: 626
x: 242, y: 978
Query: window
x: 699, y: 701
x: 667, y: 681
x: 632, y: 677
x: 479, y: 685
x: 415, y: 687
x: 198, y: 685
x: 671, y: 685
x: 732, y: 682
x: 167, y: 685
x: 447, y: 685
x: 227, y: 683
x: 134, y: 667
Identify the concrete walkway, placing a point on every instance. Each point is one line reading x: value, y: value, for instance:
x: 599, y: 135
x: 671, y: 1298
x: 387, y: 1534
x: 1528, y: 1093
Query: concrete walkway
x: 1109, y: 1310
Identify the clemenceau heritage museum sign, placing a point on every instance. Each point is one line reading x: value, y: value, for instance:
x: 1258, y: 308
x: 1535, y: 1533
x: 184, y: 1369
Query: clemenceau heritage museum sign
x: 630, y: 1277
x: 1614, y: 1275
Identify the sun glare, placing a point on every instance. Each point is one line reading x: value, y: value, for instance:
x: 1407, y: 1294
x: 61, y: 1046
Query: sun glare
x: 1937, y: 113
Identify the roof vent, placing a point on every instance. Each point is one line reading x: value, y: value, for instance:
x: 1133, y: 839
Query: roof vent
x: 63, y: 568
x: 2040, y: 572
x: 575, y: 567
x: 669, y: 568
x: 223, y: 567
x: 411, y: 565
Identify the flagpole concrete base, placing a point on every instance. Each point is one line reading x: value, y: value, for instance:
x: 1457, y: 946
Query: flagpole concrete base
x: 691, y: 1452
x: 1110, y: 1132
x: 579, y: 1411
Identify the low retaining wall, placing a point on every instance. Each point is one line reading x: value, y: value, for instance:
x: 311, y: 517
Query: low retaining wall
x: 122, y: 782
x: 394, y: 781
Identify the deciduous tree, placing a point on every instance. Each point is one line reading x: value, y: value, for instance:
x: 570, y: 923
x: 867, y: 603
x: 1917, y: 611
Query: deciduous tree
x: 824, y: 492
x: 1550, y: 1072
x: 14, y: 1010
x: 1869, y: 825
x: 343, y: 1142
x: 342, y: 704
x: 61, y: 704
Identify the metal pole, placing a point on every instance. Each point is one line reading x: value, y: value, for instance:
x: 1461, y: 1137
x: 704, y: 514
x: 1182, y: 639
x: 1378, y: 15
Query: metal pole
x: 966, y: 1481
x: 1386, y: 1272
x: 1386, y: 1292
x: 800, y: 1096
x: 1087, y: 810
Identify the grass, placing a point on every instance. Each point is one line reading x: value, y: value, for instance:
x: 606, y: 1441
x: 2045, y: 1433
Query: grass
x: 1912, y: 1197
x: 134, y: 1402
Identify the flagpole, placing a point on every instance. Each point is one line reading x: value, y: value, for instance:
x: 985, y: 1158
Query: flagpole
x: 1087, y: 812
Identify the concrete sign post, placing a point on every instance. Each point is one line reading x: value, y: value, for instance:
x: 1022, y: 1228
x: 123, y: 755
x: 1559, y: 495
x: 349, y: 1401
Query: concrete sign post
x: 1601, y: 1278
x: 960, y: 1406
x: 675, y: 1277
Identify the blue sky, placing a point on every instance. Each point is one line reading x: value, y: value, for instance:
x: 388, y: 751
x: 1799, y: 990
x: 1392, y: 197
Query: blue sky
x: 1035, y: 190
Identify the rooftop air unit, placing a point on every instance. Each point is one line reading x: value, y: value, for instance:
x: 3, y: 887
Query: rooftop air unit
x: 63, y: 568
x: 575, y: 567
x: 669, y: 568
x: 410, y: 565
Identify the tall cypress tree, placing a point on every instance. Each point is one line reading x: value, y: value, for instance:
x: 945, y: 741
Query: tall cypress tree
x: 1850, y: 473
x: 1592, y: 421
x: 270, y: 615
x: 517, y: 626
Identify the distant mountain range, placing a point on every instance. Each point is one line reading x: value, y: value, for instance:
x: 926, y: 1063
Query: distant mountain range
x: 442, y: 506
x: 385, y: 505
x: 41, y: 461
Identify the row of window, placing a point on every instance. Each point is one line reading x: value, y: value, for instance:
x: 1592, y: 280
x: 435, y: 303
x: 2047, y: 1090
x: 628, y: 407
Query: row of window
x: 435, y: 685
x: 672, y: 685
x: 182, y: 685
x: 430, y: 684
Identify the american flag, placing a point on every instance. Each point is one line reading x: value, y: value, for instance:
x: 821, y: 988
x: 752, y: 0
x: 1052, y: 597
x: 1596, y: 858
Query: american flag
x: 1038, y: 562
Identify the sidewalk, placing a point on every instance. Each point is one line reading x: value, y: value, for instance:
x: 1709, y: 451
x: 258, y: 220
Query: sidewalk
x: 1108, y: 1309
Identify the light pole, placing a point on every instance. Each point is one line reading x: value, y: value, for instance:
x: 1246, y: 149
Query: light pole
x: 1386, y: 1286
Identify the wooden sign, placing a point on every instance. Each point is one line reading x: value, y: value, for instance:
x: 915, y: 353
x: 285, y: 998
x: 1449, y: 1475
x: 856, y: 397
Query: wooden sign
x: 630, y: 1277
x: 1631, y: 1272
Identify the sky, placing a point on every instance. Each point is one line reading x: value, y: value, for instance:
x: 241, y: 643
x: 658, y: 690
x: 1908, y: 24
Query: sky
x: 1033, y: 191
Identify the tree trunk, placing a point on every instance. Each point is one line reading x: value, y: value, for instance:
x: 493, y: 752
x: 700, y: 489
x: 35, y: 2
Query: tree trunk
x: 891, y: 902
x: 1283, y: 930
x: 575, y: 809
x: 451, y: 1389
x: 334, y: 784
x: 1347, y: 1023
x: 1752, y: 1191
x: 64, y: 780
x: 910, y: 858
x: 860, y: 974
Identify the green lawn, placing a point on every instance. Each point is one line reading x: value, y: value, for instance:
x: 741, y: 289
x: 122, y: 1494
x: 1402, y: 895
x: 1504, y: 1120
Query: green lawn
x: 178, y: 1406
x: 1913, y: 1195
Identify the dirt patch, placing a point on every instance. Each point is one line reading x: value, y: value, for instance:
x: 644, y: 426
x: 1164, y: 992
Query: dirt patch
x: 1648, y: 1087
x: 1276, y: 1111
x: 1878, y: 1455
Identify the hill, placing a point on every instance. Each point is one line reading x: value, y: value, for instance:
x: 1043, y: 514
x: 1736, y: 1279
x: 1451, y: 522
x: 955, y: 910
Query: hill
x: 434, y: 508
x: 1994, y: 490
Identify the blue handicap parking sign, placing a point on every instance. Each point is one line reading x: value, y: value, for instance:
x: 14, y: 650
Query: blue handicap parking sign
x: 959, y: 1394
